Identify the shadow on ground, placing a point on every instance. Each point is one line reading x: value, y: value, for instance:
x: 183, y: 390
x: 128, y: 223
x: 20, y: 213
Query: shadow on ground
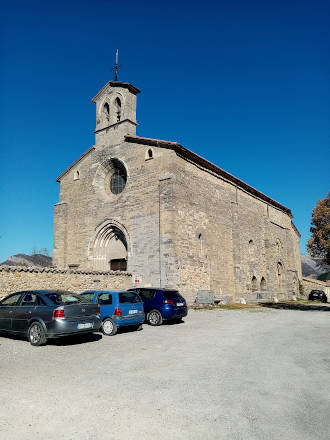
x: 75, y: 340
x: 293, y: 306
x: 62, y: 341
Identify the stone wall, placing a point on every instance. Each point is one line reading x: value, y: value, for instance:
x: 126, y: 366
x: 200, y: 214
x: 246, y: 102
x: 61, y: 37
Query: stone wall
x: 312, y: 284
x: 222, y: 239
x: 18, y: 278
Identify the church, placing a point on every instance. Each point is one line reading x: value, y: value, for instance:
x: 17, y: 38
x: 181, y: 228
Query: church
x: 170, y: 217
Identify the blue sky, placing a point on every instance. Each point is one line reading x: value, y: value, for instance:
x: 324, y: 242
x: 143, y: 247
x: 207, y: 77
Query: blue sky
x: 244, y: 84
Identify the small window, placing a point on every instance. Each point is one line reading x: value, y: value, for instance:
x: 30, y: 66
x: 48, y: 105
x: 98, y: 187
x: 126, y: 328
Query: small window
x: 29, y: 300
x: 201, y: 245
x: 118, y: 109
x: 64, y: 298
x: 147, y: 293
x: 105, y: 299
x: 149, y: 154
x: 76, y: 175
x: 106, y: 111
x: 128, y: 297
x: 11, y: 301
x: 88, y: 297
x: 263, y: 284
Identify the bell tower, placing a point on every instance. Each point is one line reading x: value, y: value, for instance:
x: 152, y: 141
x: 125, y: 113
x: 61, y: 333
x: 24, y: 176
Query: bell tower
x: 115, y: 111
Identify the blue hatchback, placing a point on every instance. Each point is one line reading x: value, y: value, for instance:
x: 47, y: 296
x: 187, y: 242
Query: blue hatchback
x: 162, y: 304
x: 118, y: 308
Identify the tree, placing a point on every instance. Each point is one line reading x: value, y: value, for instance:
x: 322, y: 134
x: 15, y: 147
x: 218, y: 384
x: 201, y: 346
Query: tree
x: 319, y: 244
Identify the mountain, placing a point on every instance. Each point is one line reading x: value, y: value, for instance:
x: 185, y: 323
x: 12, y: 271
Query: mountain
x: 311, y: 267
x: 28, y: 260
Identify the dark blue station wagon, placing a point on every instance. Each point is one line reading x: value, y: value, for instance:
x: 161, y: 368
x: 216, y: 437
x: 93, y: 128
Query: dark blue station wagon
x: 162, y: 304
x: 118, y: 308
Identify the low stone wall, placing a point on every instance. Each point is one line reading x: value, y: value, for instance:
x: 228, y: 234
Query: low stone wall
x: 18, y: 278
x: 312, y: 284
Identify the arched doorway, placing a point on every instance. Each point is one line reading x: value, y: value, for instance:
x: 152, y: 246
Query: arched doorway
x: 109, y: 250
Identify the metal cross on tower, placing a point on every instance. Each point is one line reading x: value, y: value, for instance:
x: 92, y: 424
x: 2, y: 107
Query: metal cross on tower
x: 117, y: 67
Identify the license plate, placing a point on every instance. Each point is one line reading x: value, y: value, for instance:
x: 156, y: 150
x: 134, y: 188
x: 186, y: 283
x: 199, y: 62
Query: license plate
x: 179, y: 304
x: 132, y: 312
x: 84, y: 325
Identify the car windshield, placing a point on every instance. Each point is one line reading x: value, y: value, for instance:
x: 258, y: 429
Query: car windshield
x: 171, y: 294
x: 87, y: 297
x: 64, y: 298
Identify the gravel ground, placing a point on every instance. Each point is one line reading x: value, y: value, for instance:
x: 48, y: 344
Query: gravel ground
x: 239, y: 375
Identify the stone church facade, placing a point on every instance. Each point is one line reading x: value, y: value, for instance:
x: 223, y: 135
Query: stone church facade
x: 167, y: 215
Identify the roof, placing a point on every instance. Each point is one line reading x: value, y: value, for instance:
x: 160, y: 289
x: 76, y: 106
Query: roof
x: 195, y: 158
x: 295, y: 229
x: 75, y: 163
x: 123, y: 85
x: 314, y: 280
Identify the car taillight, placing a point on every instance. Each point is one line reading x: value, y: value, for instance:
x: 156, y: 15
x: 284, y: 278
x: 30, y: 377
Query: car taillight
x: 142, y: 309
x: 99, y: 310
x: 169, y: 301
x: 59, y: 313
x: 118, y: 311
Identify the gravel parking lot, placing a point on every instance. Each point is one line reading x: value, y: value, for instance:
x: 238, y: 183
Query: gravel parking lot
x: 241, y: 375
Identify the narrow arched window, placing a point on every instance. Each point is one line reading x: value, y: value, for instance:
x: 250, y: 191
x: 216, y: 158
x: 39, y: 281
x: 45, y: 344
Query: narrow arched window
x: 106, y: 111
x: 254, y: 284
x: 150, y: 155
x: 76, y: 175
x: 201, y: 246
x: 118, y: 109
x: 263, y: 284
x: 279, y: 274
x: 251, y: 248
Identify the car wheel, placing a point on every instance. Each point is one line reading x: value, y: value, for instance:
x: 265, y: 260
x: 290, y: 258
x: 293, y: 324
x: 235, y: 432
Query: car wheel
x: 154, y: 318
x: 36, y: 334
x: 108, y: 327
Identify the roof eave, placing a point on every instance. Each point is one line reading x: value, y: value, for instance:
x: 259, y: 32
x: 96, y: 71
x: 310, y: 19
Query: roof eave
x: 75, y: 163
x: 124, y: 85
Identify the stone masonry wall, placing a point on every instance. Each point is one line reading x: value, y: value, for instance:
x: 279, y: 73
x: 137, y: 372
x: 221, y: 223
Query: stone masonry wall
x: 226, y: 240
x: 312, y: 284
x: 15, y: 279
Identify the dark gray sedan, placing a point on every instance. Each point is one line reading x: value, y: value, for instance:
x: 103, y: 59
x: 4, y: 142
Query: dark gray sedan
x: 43, y: 314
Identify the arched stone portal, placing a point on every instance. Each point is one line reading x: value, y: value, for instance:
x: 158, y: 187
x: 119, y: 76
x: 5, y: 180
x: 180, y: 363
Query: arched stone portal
x: 109, y: 249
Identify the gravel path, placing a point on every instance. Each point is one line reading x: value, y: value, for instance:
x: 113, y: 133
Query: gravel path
x: 238, y: 375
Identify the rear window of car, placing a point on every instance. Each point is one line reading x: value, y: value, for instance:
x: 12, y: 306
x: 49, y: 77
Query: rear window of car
x: 64, y: 298
x: 88, y: 297
x: 128, y: 297
x: 171, y: 294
